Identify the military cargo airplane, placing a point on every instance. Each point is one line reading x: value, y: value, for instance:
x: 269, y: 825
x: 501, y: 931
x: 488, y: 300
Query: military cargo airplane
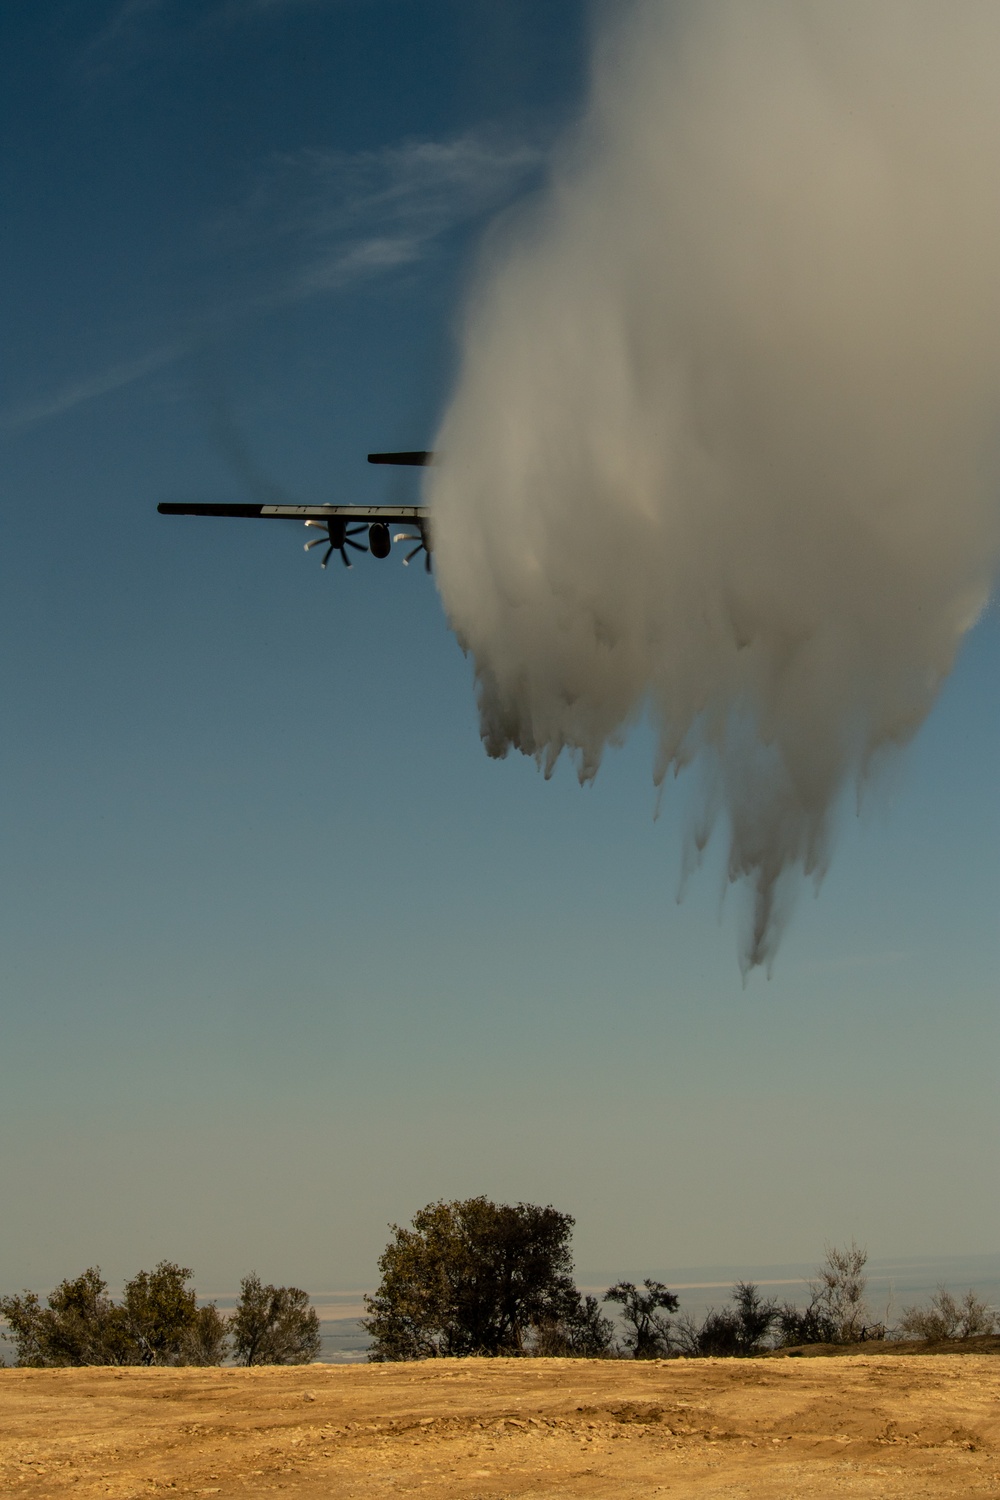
x: 338, y: 525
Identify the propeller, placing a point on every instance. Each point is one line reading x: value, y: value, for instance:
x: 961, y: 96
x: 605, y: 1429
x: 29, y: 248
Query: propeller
x: 337, y: 535
x: 231, y: 439
x: 420, y: 537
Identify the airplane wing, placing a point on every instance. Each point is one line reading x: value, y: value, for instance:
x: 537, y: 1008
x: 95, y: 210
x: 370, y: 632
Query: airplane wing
x: 389, y: 515
x: 339, y: 525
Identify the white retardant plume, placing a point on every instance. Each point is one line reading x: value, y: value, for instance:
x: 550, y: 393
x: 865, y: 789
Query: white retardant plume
x: 724, y: 442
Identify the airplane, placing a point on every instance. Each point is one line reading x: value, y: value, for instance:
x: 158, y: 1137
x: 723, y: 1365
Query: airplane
x: 339, y: 524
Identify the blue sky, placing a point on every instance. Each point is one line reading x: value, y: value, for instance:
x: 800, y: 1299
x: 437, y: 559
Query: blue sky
x: 284, y: 956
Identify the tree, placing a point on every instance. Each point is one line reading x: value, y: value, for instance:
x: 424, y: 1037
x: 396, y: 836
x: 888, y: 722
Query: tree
x: 273, y: 1325
x: 23, y: 1318
x: 648, y: 1334
x: 157, y: 1323
x: 80, y: 1325
x: 470, y: 1277
x: 159, y: 1312
x: 755, y: 1318
x: 947, y: 1318
x: 738, y: 1331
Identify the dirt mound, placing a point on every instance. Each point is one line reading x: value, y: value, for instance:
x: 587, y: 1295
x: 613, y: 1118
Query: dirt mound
x: 985, y: 1344
x: 879, y: 1424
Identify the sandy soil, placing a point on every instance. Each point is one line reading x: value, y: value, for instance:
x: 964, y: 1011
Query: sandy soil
x: 486, y: 1429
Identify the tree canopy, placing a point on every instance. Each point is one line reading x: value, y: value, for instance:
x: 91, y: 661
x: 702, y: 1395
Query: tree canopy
x: 471, y: 1277
x: 644, y: 1315
x: 158, y: 1322
x: 273, y: 1325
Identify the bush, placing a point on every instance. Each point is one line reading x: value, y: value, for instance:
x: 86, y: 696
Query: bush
x: 580, y: 1331
x: 945, y: 1318
x: 809, y: 1325
x: 206, y: 1339
x: 735, y: 1332
x: 837, y: 1312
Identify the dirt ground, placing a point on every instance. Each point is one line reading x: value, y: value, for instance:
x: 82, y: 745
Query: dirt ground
x: 487, y: 1429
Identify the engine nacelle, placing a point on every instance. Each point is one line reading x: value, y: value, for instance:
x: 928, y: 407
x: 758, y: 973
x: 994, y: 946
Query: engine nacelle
x: 379, y: 542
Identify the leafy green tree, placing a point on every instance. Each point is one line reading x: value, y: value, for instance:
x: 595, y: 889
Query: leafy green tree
x: 756, y: 1317
x: 159, y: 1311
x: 647, y: 1328
x: 157, y: 1323
x: 80, y: 1325
x: 470, y: 1277
x: 273, y: 1325
x: 22, y: 1316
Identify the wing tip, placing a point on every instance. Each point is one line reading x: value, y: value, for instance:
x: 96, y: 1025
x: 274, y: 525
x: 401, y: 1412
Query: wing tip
x: 415, y: 458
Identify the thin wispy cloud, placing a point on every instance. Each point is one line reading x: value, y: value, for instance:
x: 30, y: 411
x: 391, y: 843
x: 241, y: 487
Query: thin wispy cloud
x: 136, y: 28
x: 126, y: 33
x: 330, y: 219
x: 89, y: 388
x: 319, y: 224
x: 242, y: 10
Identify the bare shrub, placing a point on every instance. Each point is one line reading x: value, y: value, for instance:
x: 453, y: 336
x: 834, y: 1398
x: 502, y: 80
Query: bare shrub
x: 946, y: 1318
x: 839, y: 1294
x: 837, y: 1312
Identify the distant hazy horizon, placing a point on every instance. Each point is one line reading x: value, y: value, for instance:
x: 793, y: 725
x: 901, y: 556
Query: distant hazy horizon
x: 892, y: 1283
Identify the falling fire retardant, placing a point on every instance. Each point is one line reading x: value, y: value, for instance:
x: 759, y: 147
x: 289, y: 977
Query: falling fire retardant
x: 724, y: 442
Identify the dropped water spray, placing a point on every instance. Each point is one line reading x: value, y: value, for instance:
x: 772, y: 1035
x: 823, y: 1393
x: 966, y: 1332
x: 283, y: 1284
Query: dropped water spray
x: 724, y: 442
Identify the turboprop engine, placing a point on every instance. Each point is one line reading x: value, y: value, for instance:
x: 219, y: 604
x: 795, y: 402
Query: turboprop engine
x: 379, y: 542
